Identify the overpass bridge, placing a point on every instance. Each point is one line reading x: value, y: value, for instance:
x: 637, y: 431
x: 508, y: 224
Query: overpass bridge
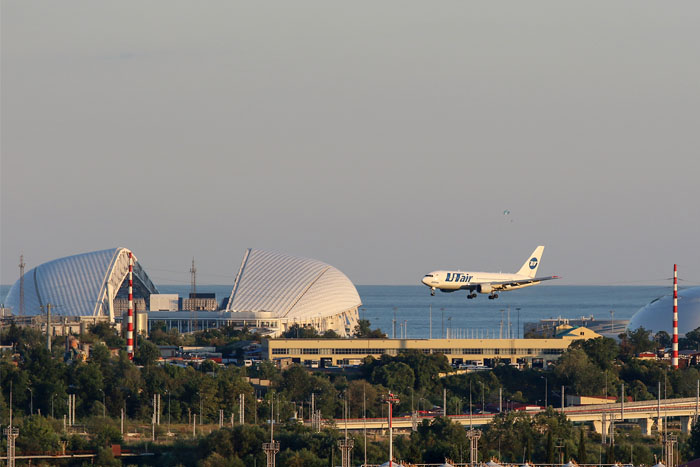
x: 646, y: 413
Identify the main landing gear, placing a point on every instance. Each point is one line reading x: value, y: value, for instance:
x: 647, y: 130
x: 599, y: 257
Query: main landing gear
x: 493, y: 296
x: 471, y: 295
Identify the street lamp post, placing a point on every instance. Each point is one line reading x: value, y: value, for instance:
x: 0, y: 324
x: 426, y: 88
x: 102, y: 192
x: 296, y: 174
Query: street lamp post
x: 168, y: 393
x: 483, y: 406
x: 391, y: 399
x: 31, y: 401
x: 545, y: 391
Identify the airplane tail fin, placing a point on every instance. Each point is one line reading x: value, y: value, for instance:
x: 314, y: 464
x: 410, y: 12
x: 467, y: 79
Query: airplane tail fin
x: 529, y: 269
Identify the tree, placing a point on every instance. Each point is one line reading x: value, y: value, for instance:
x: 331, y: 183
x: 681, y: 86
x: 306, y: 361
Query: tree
x: 601, y: 351
x: 297, y: 331
x: 663, y: 339
x: 692, y: 339
x: 550, y: 448
x: 37, y: 434
x: 396, y: 376
x: 581, y: 456
x: 147, y: 353
x: 575, y: 370
x: 363, y: 330
x: 635, y: 342
x: 438, y: 439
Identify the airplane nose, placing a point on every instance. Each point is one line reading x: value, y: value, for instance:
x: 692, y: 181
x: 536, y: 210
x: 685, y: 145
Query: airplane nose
x: 425, y: 280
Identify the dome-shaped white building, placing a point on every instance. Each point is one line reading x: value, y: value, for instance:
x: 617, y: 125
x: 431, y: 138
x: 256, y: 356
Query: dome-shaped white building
x: 292, y: 290
x: 658, y: 314
x: 80, y: 285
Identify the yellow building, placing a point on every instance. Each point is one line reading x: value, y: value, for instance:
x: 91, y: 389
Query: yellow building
x: 326, y: 352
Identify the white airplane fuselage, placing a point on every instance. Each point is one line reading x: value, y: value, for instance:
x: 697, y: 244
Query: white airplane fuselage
x: 488, y: 282
x: 450, y: 281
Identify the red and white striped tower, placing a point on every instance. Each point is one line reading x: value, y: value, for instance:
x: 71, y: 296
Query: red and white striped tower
x: 130, y: 313
x: 674, y: 359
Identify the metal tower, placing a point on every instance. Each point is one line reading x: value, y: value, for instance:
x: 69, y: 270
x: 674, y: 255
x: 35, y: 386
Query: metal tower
x: 346, y: 444
x: 21, y: 285
x: 273, y: 447
x: 12, y: 433
x: 193, y: 295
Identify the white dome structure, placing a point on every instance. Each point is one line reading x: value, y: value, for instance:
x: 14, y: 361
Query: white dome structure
x: 295, y: 291
x: 80, y: 285
x: 658, y: 314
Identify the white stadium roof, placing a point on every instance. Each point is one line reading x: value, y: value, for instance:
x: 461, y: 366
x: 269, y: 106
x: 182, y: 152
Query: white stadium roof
x: 80, y: 285
x: 291, y: 287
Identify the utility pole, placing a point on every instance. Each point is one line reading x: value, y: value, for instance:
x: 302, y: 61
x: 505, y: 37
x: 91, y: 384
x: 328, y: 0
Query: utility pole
x: 431, y: 321
x: 241, y: 409
x: 364, y: 417
x: 444, y: 402
x: 391, y: 399
x: 473, y: 434
x: 562, y: 398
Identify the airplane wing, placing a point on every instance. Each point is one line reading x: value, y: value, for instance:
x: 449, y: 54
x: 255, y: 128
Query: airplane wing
x: 521, y: 282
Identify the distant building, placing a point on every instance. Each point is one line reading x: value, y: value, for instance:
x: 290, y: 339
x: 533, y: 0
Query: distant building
x: 324, y: 352
x: 589, y: 400
x: 164, y: 302
x: 550, y: 327
x: 578, y: 332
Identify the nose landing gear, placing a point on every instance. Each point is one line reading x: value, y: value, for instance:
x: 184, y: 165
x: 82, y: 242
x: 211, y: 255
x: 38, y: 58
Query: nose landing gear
x: 432, y: 291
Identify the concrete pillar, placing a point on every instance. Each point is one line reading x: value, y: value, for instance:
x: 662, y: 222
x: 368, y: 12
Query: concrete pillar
x: 660, y: 424
x: 686, y: 424
x: 646, y: 424
x: 598, y: 426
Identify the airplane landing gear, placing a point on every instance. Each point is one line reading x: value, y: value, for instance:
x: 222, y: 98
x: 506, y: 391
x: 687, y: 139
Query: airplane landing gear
x: 493, y: 296
x: 432, y: 291
x: 471, y: 295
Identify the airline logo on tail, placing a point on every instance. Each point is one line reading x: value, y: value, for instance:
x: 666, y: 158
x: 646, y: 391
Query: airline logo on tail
x: 533, y: 263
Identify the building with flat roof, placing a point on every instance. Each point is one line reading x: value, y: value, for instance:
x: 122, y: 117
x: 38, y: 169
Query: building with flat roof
x: 470, y: 351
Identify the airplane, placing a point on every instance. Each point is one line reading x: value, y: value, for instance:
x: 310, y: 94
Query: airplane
x: 487, y: 282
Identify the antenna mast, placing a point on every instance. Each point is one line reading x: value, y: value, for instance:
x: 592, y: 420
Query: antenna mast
x: 193, y: 294
x: 21, y: 285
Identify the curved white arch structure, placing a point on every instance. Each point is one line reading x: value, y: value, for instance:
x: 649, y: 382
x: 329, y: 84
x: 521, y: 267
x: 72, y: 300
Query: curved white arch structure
x: 80, y: 285
x: 295, y: 290
x: 658, y: 314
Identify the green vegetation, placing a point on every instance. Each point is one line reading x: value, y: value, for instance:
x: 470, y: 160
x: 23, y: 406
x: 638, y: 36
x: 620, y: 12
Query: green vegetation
x: 108, y: 383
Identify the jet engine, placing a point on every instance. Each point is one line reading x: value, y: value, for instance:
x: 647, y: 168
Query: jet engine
x: 484, y: 288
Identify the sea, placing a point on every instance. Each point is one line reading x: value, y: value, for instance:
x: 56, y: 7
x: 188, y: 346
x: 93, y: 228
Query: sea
x: 411, y: 312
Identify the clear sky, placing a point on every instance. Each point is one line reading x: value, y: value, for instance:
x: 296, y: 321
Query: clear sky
x: 384, y: 138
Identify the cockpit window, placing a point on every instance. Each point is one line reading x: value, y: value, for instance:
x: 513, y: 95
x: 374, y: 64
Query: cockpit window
x: 428, y: 275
